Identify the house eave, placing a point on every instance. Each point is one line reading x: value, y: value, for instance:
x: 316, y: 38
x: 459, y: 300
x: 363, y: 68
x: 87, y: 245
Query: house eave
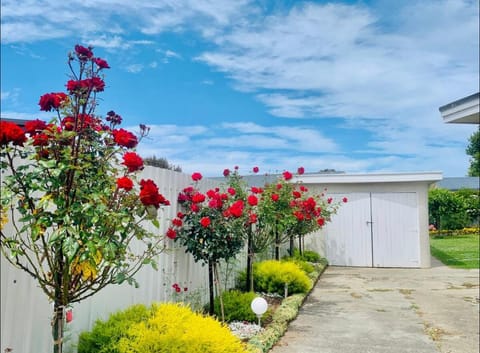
x: 462, y: 111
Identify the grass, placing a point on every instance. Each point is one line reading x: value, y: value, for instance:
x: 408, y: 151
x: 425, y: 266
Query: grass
x: 459, y: 251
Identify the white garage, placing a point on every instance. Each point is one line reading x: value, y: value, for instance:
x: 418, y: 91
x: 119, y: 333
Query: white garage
x: 383, y: 224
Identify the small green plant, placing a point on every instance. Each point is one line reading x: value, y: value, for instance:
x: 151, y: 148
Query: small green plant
x: 105, y: 334
x: 175, y: 328
x: 272, y: 275
x: 307, y: 255
x: 304, y: 265
x: 237, y: 306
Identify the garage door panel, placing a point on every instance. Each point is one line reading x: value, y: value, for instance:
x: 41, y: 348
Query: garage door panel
x: 395, y: 230
x: 346, y: 243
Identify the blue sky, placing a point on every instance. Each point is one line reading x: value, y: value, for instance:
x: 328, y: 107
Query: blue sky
x: 348, y: 85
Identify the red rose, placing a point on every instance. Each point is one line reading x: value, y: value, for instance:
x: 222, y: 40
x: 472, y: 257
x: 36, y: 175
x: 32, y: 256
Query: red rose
x: 205, y: 222
x: 344, y: 199
x: 34, y: 127
x: 275, y: 197
x: 329, y: 200
x: 41, y: 139
x: 226, y: 172
x: 177, y: 222
x: 149, y: 195
x: 125, y: 138
x: 171, y: 233
x: 231, y: 191
x: 320, y: 222
x: 303, y: 188
x: 11, y: 132
x: 51, y: 101
x: 132, y: 161
x: 255, y: 169
x: 125, y: 183
x: 300, y: 170
x: 198, y: 198
x: 296, y: 194
x: 74, y: 85
x: 196, y: 176
x: 287, y: 175
x: 102, y: 64
x: 252, y: 218
x: 279, y: 186
x: 83, y: 53
x: 180, y: 215
x: 194, y: 208
x: 236, y: 209
x: 96, y: 84
x: 252, y: 200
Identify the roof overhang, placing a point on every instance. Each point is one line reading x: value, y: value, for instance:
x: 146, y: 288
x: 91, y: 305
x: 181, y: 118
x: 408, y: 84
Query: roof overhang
x: 428, y: 177
x: 462, y: 111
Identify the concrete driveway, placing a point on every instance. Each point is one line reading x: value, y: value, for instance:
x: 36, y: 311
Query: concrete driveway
x: 377, y: 310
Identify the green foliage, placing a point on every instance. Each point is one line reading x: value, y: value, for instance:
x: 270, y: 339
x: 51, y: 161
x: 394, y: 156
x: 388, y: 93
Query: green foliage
x: 304, y: 265
x: 447, y: 210
x: 307, y: 255
x: 471, y: 199
x: 473, y: 150
x: 104, y: 336
x: 270, y: 276
x: 236, y: 306
x: 176, y: 329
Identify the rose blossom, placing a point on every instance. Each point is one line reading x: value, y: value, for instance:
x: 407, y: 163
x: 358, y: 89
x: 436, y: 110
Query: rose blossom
x: 171, y: 233
x: 300, y: 170
x: 149, y: 195
x: 132, y: 161
x: 252, y: 200
x: 275, y: 197
x: 287, y: 175
x: 255, y: 170
x: 124, y: 138
x: 83, y: 53
x: 226, y: 172
x: 11, y: 132
x: 34, y: 127
x: 205, y: 222
x: 51, y: 101
x: 125, y: 183
x: 102, y: 64
x: 196, y: 176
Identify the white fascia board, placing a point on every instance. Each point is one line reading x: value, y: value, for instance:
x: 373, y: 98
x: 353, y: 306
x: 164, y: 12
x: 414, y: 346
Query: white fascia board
x: 464, y: 112
x: 429, y: 177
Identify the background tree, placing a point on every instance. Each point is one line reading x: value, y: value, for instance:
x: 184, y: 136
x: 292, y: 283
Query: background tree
x: 161, y: 163
x: 69, y: 188
x: 447, y: 210
x: 473, y: 150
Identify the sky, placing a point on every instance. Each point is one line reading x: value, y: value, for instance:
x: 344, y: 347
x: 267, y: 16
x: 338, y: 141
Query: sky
x: 353, y: 86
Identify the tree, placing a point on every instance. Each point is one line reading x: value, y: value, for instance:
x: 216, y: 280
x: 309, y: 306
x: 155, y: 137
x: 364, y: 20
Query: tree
x: 161, y: 163
x: 210, y: 227
x: 447, y: 210
x: 473, y: 150
x: 75, y: 208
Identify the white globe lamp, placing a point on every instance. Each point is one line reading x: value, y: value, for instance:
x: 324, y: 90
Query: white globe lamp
x: 259, y: 307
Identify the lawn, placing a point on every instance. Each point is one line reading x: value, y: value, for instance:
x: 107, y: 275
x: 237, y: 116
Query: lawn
x: 459, y: 251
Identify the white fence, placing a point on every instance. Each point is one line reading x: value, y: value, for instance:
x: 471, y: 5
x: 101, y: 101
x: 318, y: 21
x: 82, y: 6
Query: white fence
x: 26, y: 312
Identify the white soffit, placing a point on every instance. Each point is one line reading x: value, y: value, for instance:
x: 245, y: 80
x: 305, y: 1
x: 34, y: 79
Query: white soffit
x: 462, y: 111
x: 429, y: 177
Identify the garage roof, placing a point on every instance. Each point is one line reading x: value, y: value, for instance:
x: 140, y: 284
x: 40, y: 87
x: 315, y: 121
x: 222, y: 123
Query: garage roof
x: 429, y: 177
x: 462, y: 111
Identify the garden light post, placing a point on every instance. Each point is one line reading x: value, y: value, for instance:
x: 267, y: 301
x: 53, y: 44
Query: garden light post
x: 259, y: 307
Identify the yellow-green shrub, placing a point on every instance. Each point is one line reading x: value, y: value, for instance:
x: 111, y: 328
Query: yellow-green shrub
x: 174, y: 328
x: 271, y: 275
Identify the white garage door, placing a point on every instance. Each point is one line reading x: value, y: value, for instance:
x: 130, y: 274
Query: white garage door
x: 375, y: 230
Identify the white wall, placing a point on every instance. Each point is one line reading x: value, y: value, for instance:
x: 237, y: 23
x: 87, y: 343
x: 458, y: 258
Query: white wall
x: 26, y: 313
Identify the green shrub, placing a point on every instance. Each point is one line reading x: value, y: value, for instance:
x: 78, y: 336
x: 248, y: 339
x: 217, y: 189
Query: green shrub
x: 105, y: 334
x: 236, y: 306
x: 270, y: 276
x: 304, y: 265
x: 174, y: 328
